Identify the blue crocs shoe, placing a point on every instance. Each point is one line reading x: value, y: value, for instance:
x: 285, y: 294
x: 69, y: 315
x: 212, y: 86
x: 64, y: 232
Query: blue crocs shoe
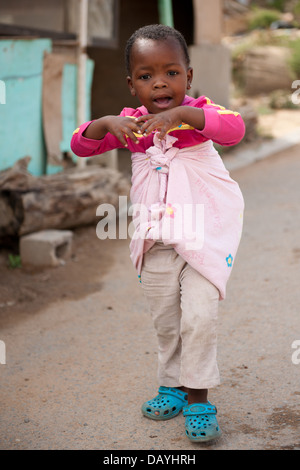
x: 167, y: 404
x: 201, y: 424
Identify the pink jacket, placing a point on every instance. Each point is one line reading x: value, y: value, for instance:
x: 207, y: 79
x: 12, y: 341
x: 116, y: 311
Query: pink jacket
x: 221, y: 126
x: 181, y: 192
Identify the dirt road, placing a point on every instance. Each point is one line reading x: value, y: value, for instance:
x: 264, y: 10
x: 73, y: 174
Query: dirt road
x: 81, y: 353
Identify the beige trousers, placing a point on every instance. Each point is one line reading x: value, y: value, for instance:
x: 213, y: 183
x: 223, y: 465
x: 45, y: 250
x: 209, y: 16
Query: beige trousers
x: 184, y: 308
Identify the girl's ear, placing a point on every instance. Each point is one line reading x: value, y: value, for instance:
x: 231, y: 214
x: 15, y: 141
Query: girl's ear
x: 130, y: 85
x: 189, y: 78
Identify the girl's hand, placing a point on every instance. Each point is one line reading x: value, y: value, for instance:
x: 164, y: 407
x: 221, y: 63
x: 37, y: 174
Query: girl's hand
x: 119, y: 126
x: 163, y: 122
x: 123, y: 128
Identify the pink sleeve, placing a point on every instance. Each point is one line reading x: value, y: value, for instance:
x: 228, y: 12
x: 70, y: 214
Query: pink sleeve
x: 222, y: 126
x: 84, y: 147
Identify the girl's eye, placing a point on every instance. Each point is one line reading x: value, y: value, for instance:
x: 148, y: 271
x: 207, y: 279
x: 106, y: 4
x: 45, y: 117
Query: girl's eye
x: 145, y: 77
x: 172, y: 73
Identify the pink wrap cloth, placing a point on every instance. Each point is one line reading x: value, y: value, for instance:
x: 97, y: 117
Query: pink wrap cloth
x: 186, y: 198
x: 181, y: 192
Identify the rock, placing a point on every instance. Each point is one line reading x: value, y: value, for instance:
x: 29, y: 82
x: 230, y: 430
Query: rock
x: 46, y: 248
x: 266, y: 69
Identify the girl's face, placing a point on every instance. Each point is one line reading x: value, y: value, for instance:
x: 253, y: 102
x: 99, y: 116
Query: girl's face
x: 159, y: 74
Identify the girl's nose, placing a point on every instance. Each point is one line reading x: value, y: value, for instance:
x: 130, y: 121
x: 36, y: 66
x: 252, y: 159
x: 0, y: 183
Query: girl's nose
x: 159, y: 83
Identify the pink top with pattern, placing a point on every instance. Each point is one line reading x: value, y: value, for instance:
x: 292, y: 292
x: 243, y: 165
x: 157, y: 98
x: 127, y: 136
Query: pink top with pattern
x: 181, y: 192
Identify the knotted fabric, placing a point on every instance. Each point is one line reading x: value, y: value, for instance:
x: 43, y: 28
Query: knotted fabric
x: 186, y: 198
x: 160, y: 157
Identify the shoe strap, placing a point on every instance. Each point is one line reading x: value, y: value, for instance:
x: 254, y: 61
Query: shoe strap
x: 199, y: 409
x: 174, y: 392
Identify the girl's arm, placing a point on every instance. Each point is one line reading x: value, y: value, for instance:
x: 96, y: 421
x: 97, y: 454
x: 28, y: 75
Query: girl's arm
x: 223, y: 126
x: 168, y: 120
x: 214, y: 122
x: 103, y: 134
x: 119, y: 126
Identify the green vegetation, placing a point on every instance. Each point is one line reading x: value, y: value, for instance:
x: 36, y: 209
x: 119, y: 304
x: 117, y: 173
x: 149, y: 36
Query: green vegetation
x: 295, y: 58
x: 14, y: 261
x: 279, y: 4
x: 262, y: 18
x: 296, y: 9
x: 281, y: 99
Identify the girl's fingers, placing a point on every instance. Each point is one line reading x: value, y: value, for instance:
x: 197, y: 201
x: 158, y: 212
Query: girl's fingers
x: 130, y: 135
x: 161, y: 134
x: 120, y: 136
x: 152, y: 123
x: 144, y: 118
x: 149, y: 126
x: 144, y: 122
x: 125, y: 134
x: 125, y: 128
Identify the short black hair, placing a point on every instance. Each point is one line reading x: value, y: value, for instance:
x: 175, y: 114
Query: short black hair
x: 156, y: 32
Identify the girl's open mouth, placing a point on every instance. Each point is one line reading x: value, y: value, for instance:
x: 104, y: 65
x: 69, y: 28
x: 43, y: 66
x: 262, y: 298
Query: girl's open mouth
x: 162, y: 102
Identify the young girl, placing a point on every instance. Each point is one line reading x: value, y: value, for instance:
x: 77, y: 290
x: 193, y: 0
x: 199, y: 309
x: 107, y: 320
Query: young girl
x: 184, y: 248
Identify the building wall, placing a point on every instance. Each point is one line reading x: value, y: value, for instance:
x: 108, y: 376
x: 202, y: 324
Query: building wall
x: 21, y: 132
x: 34, y: 13
x: 34, y: 119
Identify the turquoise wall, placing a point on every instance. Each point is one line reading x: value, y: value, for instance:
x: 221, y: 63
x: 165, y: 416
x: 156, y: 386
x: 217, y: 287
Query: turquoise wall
x: 21, y: 133
x: 69, y: 101
x: 21, y: 124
